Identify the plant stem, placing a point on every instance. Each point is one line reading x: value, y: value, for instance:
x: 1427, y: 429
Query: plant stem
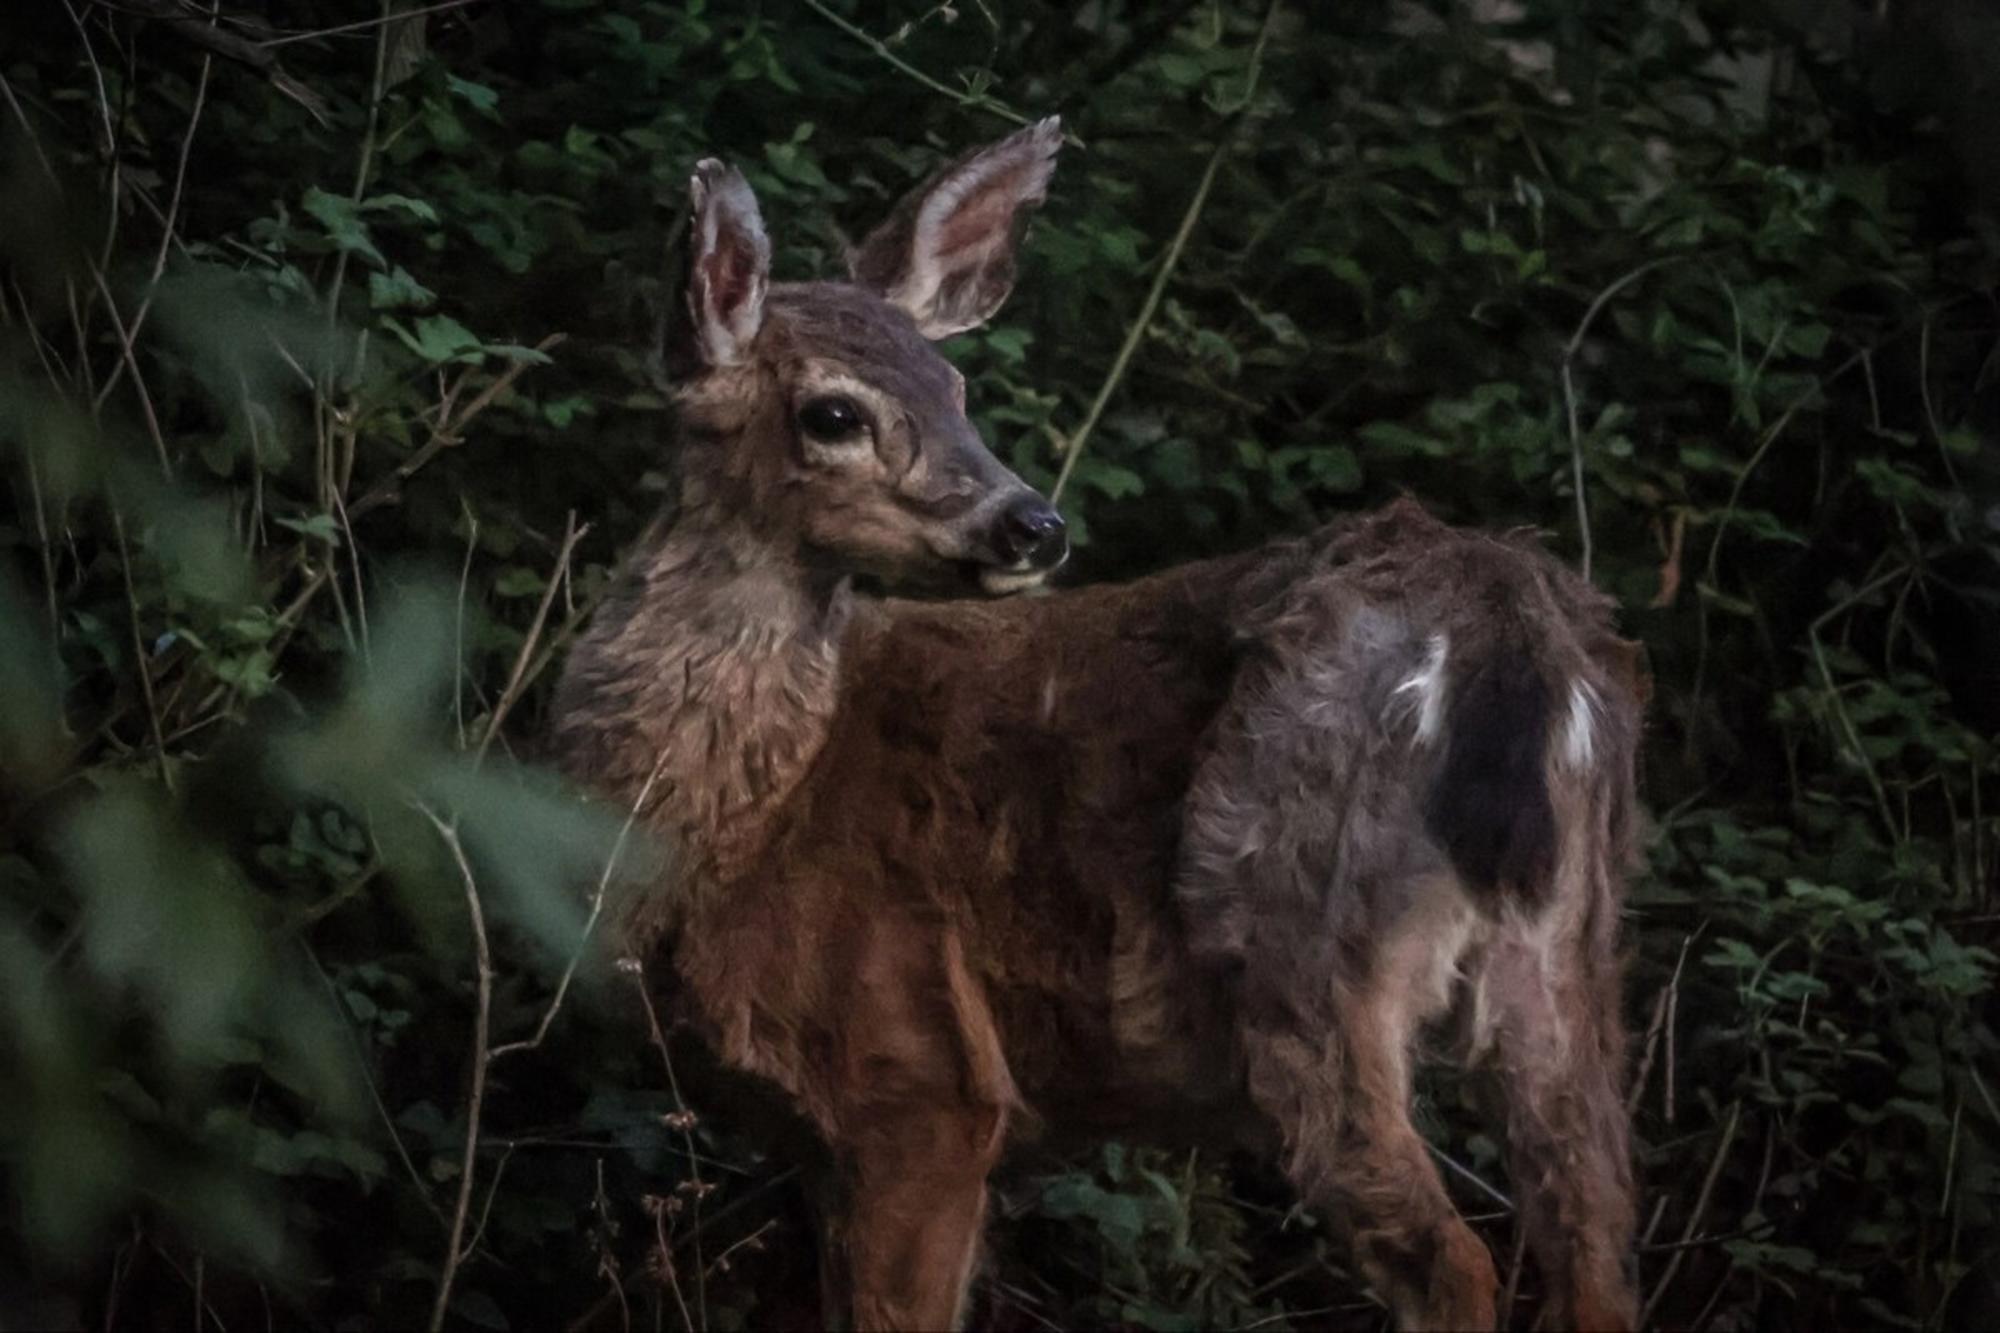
x: 1171, y: 261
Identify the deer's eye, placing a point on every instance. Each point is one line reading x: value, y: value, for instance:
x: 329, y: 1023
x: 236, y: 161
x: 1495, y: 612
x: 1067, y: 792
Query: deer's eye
x: 832, y: 418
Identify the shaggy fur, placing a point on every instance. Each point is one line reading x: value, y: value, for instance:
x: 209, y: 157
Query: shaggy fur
x: 1200, y: 852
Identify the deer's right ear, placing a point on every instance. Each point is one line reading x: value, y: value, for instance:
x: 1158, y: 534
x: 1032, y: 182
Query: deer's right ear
x: 729, y: 267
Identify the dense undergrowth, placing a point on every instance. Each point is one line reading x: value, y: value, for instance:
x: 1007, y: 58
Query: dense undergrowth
x: 326, y: 405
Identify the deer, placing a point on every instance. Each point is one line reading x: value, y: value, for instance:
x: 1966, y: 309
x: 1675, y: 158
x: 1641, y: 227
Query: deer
x: 1215, y: 854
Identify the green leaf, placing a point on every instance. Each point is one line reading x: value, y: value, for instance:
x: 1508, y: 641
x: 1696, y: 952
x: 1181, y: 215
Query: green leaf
x: 400, y: 203
x: 397, y: 290
x: 438, y: 339
x: 342, y: 219
x: 1110, y: 479
x: 484, y: 100
x: 319, y: 527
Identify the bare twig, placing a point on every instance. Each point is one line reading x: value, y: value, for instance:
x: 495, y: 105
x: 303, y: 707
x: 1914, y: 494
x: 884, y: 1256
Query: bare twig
x: 1848, y: 730
x: 141, y: 659
x: 458, y: 632
x: 977, y: 101
x: 1468, y: 1174
x: 511, y: 693
x: 492, y: 1192
x: 590, y: 922
x: 166, y: 227
x: 375, y: 1093
x: 721, y: 1264
x: 366, y: 165
x: 449, y: 431
x: 1652, y: 1042
x: 664, y: 1248
x: 1168, y: 263
x: 130, y: 359
x: 684, y: 1120
x: 1694, y: 1217
x: 362, y: 25
x: 1506, y: 1309
x: 564, y: 632
x: 1570, y: 351
x: 47, y: 550
x: 476, y: 1096
x: 1663, y: 1005
x: 230, y: 46
x: 354, y: 559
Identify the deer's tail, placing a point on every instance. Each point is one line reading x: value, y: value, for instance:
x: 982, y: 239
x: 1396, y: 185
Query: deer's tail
x: 1489, y: 805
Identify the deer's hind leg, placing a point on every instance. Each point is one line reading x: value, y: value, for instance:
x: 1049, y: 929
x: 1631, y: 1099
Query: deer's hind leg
x: 1329, y: 1047
x: 1551, y: 998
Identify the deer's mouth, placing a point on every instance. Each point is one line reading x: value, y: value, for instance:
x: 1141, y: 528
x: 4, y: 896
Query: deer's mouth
x: 1004, y: 581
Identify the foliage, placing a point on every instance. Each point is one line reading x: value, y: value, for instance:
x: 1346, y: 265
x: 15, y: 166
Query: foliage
x: 309, y: 368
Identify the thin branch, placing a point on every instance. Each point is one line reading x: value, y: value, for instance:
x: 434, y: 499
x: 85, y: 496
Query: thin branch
x: 564, y: 632
x: 1570, y: 351
x: 476, y: 1096
x: 1659, y: 1022
x: 228, y: 45
x: 458, y: 631
x: 130, y: 360
x: 141, y: 660
x: 1467, y: 1173
x: 590, y: 922
x: 1170, y: 262
x: 684, y: 1120
x: 965, y: 98
x: 449, y: 431
x: 375, y: 1093
x: 1694, y: 1218
x: 492, y: 1192
x: 362, y: 25
x: 1848, y: 730
x: 167, y: 234
x: 511, y: 693
x: 366, y: 165
x: 1505, y: 1311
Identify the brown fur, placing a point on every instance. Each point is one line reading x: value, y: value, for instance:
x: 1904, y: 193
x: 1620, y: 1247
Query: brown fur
x: 1171, y: 853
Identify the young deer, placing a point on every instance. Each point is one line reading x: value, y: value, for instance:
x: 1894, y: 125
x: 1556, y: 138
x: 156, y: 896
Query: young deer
x: 1206, y: 849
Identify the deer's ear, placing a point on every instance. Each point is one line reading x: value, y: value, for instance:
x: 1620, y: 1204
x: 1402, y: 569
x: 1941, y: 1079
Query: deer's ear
x: 946, y: 255
x: 729, y: 264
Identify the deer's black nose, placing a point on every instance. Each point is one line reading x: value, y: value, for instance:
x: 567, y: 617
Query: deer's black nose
x: 1031, y: 530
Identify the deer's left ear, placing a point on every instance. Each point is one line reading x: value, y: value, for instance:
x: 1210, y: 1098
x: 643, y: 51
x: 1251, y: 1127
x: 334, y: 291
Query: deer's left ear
x: 729, y: 264
x: 946, y: 255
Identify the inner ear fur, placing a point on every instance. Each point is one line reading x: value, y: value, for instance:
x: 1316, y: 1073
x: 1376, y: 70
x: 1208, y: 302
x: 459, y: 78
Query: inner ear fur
x: 729, y: 264
x: 946, y: 254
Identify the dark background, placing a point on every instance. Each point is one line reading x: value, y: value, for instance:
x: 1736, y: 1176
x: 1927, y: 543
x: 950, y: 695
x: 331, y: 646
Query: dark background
x: 285, y: 563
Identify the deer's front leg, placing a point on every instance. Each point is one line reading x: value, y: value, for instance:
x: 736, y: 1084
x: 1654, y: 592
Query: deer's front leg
x: 922, y: 1115
x: 915, y: 1211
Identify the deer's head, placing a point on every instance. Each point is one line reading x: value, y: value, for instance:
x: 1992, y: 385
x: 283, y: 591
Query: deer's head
x: 819, y: 415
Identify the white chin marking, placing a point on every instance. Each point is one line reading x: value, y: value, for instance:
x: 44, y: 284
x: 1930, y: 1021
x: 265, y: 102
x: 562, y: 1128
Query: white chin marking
x: 1001, y: 582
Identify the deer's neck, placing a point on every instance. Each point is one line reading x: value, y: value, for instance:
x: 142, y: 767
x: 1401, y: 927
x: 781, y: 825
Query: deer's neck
x: 711, y: 674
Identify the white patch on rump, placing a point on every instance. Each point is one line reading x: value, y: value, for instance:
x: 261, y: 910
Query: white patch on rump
x: 1579, y: 745
x: 1426, y: 689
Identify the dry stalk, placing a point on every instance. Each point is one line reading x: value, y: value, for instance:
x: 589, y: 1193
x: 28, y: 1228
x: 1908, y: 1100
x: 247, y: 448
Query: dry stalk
x: 1073, y: 449
x: 476, y: 1096
x: 510, y: 694
x: 1694, y: 1217
x: 590, y: 922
